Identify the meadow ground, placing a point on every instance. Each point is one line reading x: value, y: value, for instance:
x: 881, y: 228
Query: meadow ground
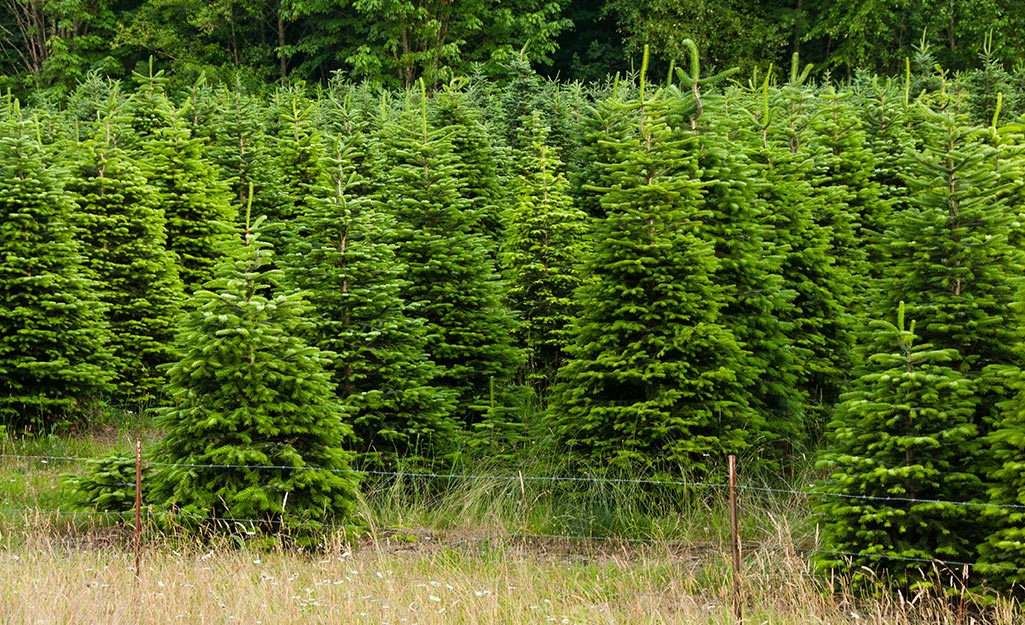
x: 53, y: 575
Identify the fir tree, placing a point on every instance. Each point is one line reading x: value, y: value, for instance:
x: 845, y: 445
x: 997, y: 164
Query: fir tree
x: 452, y: 282
x: 797, y: 227
x: 298, y: 153
x: 895, y: 466
x: 124, y: 238
x: 546, y: 238
x: 478, y: 159
x: 232, y: 125
x: 952, y: 261
x: 384, y: 378
x: 194, y: 197
x: 654, y: 380
x: 254, y: 430
x: 53, y: 339
x: 749, y: 265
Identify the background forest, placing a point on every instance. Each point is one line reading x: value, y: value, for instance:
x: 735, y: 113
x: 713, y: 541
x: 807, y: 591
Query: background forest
x: 51, y: 44
x: 337, y: 242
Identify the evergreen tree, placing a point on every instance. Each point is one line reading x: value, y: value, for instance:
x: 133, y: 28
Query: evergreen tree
x: 233, y: 126
x: 298, y: 147
x: 452, y: 282
x: 895, y: 466
x: 377, y: 350
x: 749, y: 265
x: 546, y: 237
x: 952, y: 260
x: 654, y: 380
x: 857, y: 208
x: 797, y: 221
x: 194, y: 197
x: 254, y: 430
x: 124, y: 238
x: 478, y: 157
x: 53, y: 339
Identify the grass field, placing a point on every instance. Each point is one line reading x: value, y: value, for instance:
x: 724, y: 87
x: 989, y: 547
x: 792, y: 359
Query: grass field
x: 485, y: 550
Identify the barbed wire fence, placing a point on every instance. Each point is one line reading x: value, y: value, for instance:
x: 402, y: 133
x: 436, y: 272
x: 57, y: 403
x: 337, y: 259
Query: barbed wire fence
x: 732, y: 488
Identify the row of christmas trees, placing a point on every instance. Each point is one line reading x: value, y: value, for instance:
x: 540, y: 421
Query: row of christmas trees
x: 652, y: 275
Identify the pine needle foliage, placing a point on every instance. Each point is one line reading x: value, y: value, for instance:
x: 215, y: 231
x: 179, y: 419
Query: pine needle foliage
x: 54, y: 359
x: 546, y: 238
x: 896, y: 471
x: 124, y: 238
x: 376, y: 346
x: 653, y: 380
x: 254, y: 430
x: 453, y: 285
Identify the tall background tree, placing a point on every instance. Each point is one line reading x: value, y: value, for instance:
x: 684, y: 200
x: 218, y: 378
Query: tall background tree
x: 54, y: 359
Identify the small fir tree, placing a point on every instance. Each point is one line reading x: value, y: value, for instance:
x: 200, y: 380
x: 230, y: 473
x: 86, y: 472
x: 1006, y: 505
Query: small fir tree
x: 952, y: 258
x: 232, y: 124
x: 195, y: 199
x: 749, y: 265
x: 254, y: 430
x: 796, y: 225
x: 124, y: 239
x: 896, y: 472
x: 299, y: 153
x: 654, y: 379
x: 452, y: 282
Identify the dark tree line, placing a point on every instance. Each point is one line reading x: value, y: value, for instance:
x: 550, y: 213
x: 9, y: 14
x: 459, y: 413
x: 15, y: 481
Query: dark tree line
x: 394, y: 43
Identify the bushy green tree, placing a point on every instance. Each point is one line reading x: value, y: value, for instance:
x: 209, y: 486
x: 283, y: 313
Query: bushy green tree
x: 376, y: 346
x: 397, y: 43
x: 452, y: 281
x: 952, y: 259
x: 193, y: 195
x: 799, y: 222
x: 654, y: 380
x: 546, y: 238
x: 232, y: 122
x: 124, y: 246
x: 54, y: 359
x: 749, y: 265
x: 298, y: 151
x: 254, y: 430
x: 895, y: 456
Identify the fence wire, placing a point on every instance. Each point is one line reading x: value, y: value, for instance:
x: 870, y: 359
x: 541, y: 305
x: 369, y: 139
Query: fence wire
x: 151, y: 514
x: 519, y: 477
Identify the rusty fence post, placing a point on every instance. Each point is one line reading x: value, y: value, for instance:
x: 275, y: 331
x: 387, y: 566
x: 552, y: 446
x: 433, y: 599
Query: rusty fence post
x: 738, y: 593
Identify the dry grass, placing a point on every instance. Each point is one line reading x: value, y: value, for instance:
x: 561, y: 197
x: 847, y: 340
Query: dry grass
x: 447, y: 578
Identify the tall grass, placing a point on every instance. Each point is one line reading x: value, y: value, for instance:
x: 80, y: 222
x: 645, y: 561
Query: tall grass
x: 46, y: 578
x: 487, y: 545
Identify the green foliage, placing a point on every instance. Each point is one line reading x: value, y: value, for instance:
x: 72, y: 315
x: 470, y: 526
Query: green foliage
x: 802, y: 208
x: 396, y: 43
x: 452, y: 282
x: 545, y: 240
x: 654, y: 379
x: 375, y: 344
x: 108, y: 485
x: 254, y: 430
x: 124, y: 243
x: 897, y: 467
x: 731, y: 32
x: 54, y: 357
x: 191, y: 191
x: 952, y: 260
